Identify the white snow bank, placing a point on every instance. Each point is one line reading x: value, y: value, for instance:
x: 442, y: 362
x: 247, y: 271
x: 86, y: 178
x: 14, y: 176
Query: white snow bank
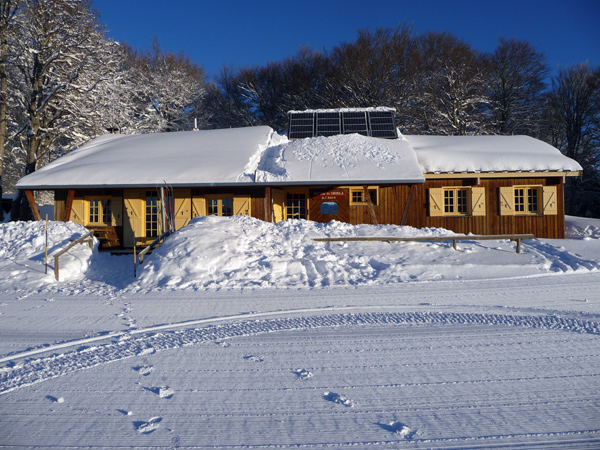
x: 22, y: 253
x: 242, y: 252
x: 442, y: 154
x: 339, y: 159
x: 245, y: 253
x: 582, y: 228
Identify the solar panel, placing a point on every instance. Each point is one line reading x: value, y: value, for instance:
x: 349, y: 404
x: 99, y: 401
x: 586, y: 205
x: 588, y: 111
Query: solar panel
x: 302, y: 125
x: 375, y: 123
x: 382, y: 124
x: 328, y: 123
x: 355, y: 122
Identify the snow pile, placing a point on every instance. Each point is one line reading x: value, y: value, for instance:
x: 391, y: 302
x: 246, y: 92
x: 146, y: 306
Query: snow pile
x: 582, y: 228
x: 242, y: 252
x: 340, y: 158
x: 245, y: 253
x: 22, y: 253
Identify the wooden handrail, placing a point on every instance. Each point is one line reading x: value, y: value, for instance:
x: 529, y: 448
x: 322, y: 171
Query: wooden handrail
x: 89, y: 235
x: 453, y: 238
x: 154, y: 243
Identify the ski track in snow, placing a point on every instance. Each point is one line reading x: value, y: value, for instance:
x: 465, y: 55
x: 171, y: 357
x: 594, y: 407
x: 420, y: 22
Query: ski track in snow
x: 378, y: 380
x: 16, y: 375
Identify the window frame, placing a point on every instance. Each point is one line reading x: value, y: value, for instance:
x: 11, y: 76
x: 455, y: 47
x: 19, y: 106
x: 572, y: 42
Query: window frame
x: 525, y: 204
x: 219, y: 198
x: 456, y: 204
x: 363, y: 202
x: 286, y: 207
x: 105, y: 218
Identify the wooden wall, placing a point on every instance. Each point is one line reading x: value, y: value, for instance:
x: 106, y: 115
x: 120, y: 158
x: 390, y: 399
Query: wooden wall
x: 392, y: 206
x: 393, y: 199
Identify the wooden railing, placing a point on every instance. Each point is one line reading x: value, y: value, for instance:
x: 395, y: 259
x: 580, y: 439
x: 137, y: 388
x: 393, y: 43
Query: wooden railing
x: 89, y: 236
x: 453, y: 238
x: 154, y: 243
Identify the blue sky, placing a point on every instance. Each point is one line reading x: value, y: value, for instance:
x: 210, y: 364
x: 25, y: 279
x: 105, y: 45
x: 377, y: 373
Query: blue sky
x: 238, y: 32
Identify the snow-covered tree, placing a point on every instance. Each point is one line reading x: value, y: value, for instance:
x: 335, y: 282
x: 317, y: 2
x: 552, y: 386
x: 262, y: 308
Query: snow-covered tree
x: 8, y: 10
x: 375, y: 70
x: 61, y: 58
x: 166, y: 91
x: 516, y: 86
x: 452, y: 78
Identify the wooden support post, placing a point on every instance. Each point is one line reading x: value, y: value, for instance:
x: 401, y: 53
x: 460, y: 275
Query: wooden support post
x: 454, y: 244
x: 370, y: 204
x: 69, y: 205
x: 407, y: 205
x: 268, y: 205
x: 32, y: 205
x: 518, y: 245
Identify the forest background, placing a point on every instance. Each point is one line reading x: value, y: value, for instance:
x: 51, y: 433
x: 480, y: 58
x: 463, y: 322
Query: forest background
x: 63, y: 82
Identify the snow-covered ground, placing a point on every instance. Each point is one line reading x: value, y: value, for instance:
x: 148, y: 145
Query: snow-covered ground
x: 241, y: 334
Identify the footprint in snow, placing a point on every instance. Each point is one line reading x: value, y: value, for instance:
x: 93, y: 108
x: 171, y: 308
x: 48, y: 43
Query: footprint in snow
x: 162, y: 391
x: 54, y: 399
x: 143, y: 370
x: 146, y: 351
x: 253, y: 358
x: 303, y: 374
x: 403, y: 431
x: 337, y: 398
x: 147, y: 427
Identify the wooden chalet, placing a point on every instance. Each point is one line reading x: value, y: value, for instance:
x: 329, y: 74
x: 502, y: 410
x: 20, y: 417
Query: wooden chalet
x: 349, y: 165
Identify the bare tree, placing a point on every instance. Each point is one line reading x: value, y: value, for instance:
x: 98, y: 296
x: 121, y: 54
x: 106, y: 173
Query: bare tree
x: 573, y: 126
x: 517, y: 73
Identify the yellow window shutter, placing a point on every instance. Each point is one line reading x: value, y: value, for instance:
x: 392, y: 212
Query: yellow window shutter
x: 183, y: 207
x: 506, y: 198
x: 279, y: 199
x: 78, y: 211
x: 478, y: 201
x: 549, y: 201
x: 116, y: 211
x: 198, y: 207
x: 436, y: 202
x: 241, y: 206
x: 132, y: 217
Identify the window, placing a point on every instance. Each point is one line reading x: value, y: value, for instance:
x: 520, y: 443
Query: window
x: 295, y: 206
x: 357, y: 196
x: 151, y: 214
x: 528, y: 200
x: 457, y: 201
x: 99, y: 211
x: 220, y: 206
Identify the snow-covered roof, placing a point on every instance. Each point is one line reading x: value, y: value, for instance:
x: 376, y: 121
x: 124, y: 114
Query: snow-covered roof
x: 456, y: 154
x: 184, y: 158
x: 342, y: 159
x: 258, y: 155
x: 236, y: 156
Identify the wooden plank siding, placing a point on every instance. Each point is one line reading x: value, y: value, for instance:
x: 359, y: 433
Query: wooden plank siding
x: 392, y: 200
x: 390, y: 208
